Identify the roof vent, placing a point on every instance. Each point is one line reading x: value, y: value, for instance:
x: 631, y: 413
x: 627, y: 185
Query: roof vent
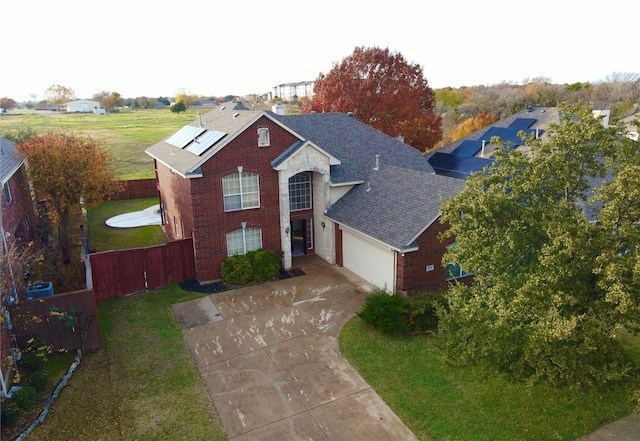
x: 235, y: 115
x: 377, y: 166
x: 350, y: 114
x: 222, y: 108
x: 368, y: 187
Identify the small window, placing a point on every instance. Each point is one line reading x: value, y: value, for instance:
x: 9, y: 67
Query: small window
x: 244, y: 240
x: 455, y: 271
x: 7, y: 193
x: 241, y: 191
x: 263, y: 137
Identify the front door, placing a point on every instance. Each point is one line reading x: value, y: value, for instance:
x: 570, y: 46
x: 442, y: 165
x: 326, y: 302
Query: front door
x: 301, y: 237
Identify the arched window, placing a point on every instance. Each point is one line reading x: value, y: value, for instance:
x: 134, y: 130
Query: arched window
x: 244, y: 240
x: 300, y: 192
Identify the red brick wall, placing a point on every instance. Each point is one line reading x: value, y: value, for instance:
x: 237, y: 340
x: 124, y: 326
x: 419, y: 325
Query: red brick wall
x: 175, y: 195
x: 412, y: 275
x: 19, y: 220
x: 18, y: 217
x: 211, y: 222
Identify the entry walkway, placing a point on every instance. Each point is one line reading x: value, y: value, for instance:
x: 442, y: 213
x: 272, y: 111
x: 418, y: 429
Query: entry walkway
x: 269, y: 357
x: 625, y: 429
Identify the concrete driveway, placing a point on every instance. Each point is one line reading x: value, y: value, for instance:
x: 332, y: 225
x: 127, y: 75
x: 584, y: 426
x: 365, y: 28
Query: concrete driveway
x: 270, y: 359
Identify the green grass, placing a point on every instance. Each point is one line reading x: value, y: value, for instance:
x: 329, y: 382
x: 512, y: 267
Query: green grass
x: 439, y: 402
x: 142, y: 384
x: 105, y: 238
x: 125, y: 135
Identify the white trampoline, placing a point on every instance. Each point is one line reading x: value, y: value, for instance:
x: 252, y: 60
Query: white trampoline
x: 148, y: 216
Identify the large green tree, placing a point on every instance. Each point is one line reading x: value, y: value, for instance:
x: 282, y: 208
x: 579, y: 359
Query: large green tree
x: 66, y: 170
x: 382, y: 90
x: 553, y: 237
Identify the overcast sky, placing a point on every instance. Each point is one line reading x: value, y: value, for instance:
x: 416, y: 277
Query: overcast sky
x: 214, y: 48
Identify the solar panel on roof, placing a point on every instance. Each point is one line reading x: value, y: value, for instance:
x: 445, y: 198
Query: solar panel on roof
x: 468, y: 148
x: 184, y: 136
x: 522, y: 123
x: 445, y: 163
x: 508, y: 136
x: 202, y: 143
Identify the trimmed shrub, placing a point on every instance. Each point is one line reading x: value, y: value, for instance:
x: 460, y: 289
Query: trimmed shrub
x: 265, y: 264
x: 9, y: 414
x: 423, y: 310
x: 236, y: 270
x: 255, y: 266
x: 24, y: 397
x: 39, y: 380
x: 385, y: 312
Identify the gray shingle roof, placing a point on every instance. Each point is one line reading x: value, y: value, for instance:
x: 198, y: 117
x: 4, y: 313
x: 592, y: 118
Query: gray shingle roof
x: 229, y: 119
x: 10, y: 159
x: 395, y: 204
x: 354, y: 143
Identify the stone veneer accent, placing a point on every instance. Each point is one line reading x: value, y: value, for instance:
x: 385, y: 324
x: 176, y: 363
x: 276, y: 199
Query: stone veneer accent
x: 307, y: 159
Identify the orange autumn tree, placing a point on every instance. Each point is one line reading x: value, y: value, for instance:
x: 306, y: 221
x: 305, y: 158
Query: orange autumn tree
x: 384, y: 91
x: 473, y: 124
x: 65, y: 171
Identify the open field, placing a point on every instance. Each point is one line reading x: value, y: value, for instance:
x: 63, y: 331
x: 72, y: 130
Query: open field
x: 125, y: 135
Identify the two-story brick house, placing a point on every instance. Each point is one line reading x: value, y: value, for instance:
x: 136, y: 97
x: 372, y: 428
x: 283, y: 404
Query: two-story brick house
x: 326, y: 184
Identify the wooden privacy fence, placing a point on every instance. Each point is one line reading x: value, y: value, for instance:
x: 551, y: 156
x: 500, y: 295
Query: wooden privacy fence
x: 117, y: 273
x: 65, y: 321
x: 137, y: 189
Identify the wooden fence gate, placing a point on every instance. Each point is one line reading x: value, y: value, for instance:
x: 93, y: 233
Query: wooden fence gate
x: 117, y: 273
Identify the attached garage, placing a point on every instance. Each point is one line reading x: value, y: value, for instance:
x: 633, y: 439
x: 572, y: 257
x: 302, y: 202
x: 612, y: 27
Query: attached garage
x: 368, y: 259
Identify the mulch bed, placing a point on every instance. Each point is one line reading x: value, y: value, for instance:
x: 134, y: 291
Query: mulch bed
x: 212, y: 288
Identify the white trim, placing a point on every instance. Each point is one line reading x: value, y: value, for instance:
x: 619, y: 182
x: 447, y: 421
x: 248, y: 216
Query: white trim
x: 283, y: 165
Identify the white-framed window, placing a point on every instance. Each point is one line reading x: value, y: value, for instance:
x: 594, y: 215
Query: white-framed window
x: 244, y: 240
x: 310, y: 234
x: 455, y: 271
x: 300, y: 192
x: 263, y: 137
x: 241, y: 191
x: 7, y: 192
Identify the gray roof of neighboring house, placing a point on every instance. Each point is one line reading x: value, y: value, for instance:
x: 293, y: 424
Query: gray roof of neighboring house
x: 229, y: 118
x: 395, y: 204
x: 10, y: 159
x: 354, y: 143
x: 543, y: 117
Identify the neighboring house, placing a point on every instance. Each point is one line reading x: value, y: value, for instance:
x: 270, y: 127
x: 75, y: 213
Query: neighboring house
x: 17, y: 224
x: 83, y: 106
x: 18, y: 218
x: 293, y: 91
x: 324, y: 184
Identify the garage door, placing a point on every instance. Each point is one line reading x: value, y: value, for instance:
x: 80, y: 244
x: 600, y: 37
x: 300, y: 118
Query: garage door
x: 368, y: 260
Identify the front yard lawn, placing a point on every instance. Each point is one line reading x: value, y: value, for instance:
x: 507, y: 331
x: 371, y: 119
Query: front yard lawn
x: 439, y: 402
x: 142, y: 384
